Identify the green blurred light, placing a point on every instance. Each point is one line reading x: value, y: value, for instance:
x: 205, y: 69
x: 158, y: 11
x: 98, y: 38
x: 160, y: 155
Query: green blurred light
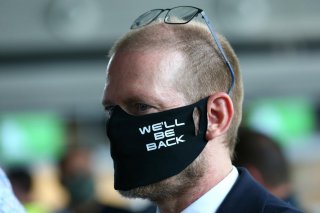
x: 31, y: 137
x: 288, y: 120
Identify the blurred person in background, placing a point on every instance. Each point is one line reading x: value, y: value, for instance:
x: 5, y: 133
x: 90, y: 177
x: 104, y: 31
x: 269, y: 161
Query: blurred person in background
x: 22, y: 186
x: 8, y: 202
x: 266, y: 162
x: 77, y: 179
x: 174, y: 104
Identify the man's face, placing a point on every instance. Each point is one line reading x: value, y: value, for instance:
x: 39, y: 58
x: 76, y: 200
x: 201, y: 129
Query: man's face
x: 143, y: 82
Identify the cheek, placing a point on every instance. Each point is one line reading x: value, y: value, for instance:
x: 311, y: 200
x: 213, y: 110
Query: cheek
x: 171, y: 96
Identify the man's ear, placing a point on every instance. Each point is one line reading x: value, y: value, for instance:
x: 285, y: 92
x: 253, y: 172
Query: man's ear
x: 219, y: 113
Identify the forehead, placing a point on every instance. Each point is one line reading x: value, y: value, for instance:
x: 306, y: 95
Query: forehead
x: 145, y: 61
x: 147, y: 72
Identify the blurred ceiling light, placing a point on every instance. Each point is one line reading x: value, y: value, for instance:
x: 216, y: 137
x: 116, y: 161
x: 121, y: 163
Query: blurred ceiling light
x: 73, y: 20
x: 245, y: 14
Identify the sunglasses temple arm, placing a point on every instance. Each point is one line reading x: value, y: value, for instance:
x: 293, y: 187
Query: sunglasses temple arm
x: 214, y: 35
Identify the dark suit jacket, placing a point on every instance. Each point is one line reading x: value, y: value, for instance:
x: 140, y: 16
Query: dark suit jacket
x: 247, y: 196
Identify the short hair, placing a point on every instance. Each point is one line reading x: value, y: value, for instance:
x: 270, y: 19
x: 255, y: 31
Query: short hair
x: 20, y: 178
x: 264, y: 153
x: 204, y: 72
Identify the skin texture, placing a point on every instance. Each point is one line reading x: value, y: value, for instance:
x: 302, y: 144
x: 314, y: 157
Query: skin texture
x: 142, y: 82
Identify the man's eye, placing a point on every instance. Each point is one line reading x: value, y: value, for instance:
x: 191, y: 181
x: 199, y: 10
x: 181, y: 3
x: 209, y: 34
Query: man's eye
x: 142, y: 107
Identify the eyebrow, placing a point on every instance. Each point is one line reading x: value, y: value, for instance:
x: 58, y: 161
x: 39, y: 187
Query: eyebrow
x: 137, y: 99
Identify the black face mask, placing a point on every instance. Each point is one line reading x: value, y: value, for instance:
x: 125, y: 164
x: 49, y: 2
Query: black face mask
x: 149, y: 148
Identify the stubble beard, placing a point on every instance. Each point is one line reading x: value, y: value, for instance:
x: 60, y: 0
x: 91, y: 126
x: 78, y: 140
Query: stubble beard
x: 171, y: 187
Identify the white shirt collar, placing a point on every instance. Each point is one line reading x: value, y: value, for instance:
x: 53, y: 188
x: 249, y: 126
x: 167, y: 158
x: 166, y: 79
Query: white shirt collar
x: 211, y: 200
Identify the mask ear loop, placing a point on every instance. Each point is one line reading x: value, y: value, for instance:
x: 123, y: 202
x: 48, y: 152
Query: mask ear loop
x: 196, y: 120
x: 199, y: 116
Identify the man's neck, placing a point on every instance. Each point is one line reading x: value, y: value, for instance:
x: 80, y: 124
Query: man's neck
x: 178, y: 204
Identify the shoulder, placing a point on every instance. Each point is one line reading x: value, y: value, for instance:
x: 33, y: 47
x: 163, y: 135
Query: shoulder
x: 4, y: 183
x: 248, y: 196
x: 8, y: 202
x: 276, y: 205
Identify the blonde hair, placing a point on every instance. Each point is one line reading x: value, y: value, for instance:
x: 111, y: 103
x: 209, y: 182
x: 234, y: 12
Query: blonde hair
x: 204, y: 72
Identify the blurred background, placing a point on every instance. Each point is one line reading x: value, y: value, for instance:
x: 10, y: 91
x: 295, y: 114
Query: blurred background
x: 52, y: 73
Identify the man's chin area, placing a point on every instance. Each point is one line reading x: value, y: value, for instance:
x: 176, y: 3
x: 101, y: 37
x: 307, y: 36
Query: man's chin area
x: 171, y: 187
x: 155, y: 192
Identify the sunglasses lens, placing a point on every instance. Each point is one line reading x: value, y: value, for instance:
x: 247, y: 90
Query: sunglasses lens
x: 146, y: 18
x: 181, y: 15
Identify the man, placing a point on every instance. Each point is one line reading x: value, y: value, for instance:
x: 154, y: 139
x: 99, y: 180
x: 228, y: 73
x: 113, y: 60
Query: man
x: 174, y: 96
x: 266, y: 162
x: 8, y: 202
